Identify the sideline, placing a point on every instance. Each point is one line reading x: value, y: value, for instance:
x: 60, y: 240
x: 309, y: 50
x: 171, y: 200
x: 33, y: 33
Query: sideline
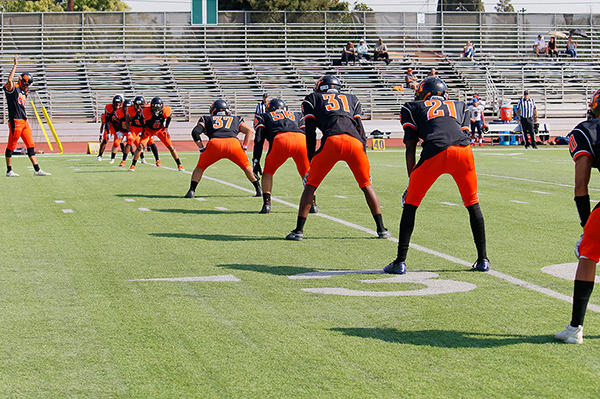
x: 495, y: 273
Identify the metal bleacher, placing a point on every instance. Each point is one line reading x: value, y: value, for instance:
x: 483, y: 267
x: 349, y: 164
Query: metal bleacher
x: 81, y: 60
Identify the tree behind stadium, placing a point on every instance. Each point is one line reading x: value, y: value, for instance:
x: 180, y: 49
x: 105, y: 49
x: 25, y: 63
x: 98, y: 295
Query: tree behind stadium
x: 50, y: 5
x: 460, y: 5
x: 287, y: 5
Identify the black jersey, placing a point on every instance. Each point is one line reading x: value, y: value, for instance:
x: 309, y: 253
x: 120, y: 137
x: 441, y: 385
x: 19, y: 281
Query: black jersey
x: 156, y: 122
x: 335, y: 113
x: 439, y: 123
x: 269, y: 124
x: 584, y: 139
x: 16, y: 100
x: 218, y: 126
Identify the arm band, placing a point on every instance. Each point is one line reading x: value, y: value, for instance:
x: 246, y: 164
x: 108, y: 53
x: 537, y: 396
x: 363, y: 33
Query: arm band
x: 583, y: 207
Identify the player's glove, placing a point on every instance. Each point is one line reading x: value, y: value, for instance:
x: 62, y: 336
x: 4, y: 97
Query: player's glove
x: 119, y: 135
x: 577, y: 246
x: 202, y: 149
x: 403, y: 199
x: 245, y: 147
x: 256, y: 167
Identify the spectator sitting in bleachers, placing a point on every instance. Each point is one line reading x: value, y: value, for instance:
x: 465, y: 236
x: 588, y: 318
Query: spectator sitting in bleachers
x: 432, y: 72
x: 381, y: 51
x: 468, y: 51
x: 539, y: 46
x: 348, y: 54
x: 362, y: 51
x: 571, y: 47
x: 552, y: 51
x: 411, y: 80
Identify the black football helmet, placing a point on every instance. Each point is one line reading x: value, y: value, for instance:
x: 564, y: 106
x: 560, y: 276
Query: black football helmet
x: 595, y: 104
x: 156, y: 106
x: 139, y: 102
x: 219, y: 107
x: 328, y: 83
x: 127, y: 103
x: 276, y: 103
x: 117, y: 101
x: 25, y: 80
x: 431, y: 86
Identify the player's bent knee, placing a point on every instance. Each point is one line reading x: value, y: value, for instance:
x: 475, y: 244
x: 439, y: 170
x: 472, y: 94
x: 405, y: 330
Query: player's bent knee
x: 31, y: 152
x: 8, y: 153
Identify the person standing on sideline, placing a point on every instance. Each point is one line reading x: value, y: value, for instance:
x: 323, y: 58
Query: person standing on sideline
x: 527, y: 114
x: 338, y: 116
x: 584, y: 145
x: 477, y: 121
x: 18, y: 126
x: 261, y: 107
x: 441, y: 124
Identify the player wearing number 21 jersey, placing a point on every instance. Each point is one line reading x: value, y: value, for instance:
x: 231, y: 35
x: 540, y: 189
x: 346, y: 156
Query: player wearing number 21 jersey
x: 222, y: 131
x: 443, y: 127
x: 338, y: 116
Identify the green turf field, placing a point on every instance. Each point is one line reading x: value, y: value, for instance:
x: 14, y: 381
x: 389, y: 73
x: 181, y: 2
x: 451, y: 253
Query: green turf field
x: 243, y: 321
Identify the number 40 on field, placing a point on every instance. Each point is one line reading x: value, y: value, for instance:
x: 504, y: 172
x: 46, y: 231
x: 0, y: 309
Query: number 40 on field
x: 378, y: 144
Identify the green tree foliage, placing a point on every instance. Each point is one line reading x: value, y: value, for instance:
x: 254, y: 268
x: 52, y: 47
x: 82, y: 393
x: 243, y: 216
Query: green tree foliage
x: 504, y: 6
x: 361, y: 7
x: 287, y: 5
x: 50, y: 5
x: 461, y: 5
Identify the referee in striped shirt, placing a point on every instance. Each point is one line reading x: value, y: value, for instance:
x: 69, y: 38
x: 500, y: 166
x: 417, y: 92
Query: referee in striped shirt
x: 261, y: 107
x: 528, y: 115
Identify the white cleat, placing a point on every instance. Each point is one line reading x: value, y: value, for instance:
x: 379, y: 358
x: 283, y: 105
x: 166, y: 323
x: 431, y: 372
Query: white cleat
x: 111, y: 161
x: 143, y: 160
x: 11, y: 174
x: 41, y: 173
x: 571, y: 335
x: 99, y: 158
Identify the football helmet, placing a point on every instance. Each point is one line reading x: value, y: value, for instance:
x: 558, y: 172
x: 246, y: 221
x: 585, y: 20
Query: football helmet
x: 25, y: 80
x: 127, y: 103
x: 276, y: 103
x: 139, y: 102
x: 595, y: 104
x: 328, y: 83
x: 117, y: 101
x: 431, y: 86
x: 156, y: 106
x: 219, y: 107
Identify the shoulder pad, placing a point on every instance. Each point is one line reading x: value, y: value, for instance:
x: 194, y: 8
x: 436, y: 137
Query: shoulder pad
x: 166, y: 111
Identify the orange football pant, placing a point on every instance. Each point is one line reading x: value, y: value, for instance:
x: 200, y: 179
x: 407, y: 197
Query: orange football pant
x: 19, y: 128
x: 161, y: 133
x: 224, y: 148
x: 590, y: 243
x: 287, y: 145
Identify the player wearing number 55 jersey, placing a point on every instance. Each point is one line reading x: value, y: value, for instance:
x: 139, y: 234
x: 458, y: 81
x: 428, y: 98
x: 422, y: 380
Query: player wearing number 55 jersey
x: 584, y: 144
x: 222, y: 130
x: 443, y: 127
x: 283, y: 130
x: 338, y: 116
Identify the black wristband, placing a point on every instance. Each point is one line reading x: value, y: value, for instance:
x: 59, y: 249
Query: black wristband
x: 583, y: 208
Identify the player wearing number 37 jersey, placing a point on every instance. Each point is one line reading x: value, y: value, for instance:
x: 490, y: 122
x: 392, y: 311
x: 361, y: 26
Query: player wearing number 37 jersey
x: 338, y: 116
x: 443, y: 127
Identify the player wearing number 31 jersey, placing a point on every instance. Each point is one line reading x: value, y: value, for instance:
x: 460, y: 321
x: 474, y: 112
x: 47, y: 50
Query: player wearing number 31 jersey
x: 338, y: 117
x: 443, y: 127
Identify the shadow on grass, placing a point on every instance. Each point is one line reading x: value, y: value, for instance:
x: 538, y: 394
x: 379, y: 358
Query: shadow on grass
x: 203, y: 211
x: 213, y: 237
x: 446, y: 338
x: 275, y: 270
x: 138, y: 195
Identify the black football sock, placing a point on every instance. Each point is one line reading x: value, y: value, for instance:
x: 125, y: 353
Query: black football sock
x: 178, y: 162
x: 36, y: 167
x: 8, y: 169
x: 193, y: 185
x: 478, y: 229
x: 112, y: 155
x: 133, y: 162
x: 379, y: 222
x: 256, y: 184
x: 267, y: 198
x: 154, y: 149
x: 125, y: 156
x: 300, y: 224
x: 581, y: 296
x: 407, y: 225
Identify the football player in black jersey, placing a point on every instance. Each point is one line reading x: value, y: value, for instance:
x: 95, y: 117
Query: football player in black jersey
x: 283, y: 130
x: 443, y: 126
x: 222, y: 131
x: 584, y: 145
x: 338, y: 116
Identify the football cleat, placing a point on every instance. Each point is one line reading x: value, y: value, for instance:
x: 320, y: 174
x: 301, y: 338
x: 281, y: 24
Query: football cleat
x: 314, y: 208
x: 571, y: 335
x: 11, y: 174
x: 132, y: 168
x: 295, y: 236
x: 111, y: 161
x: 99, y: 158
x: 482, y: 265
x: 143, y: 160
x: 158, y: 163
x: 259, y: 192
x: 266, y: 209
x: 190, y: 194
x: 180, y: 168
x: 122, y: 164
x: 41, y: 173
x: 395, y: 268
x: 384, y: 234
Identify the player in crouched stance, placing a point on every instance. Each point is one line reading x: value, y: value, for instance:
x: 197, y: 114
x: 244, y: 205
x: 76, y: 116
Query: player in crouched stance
x: 338, y: 116
x: 584, y: 144
x: 18, y: 126
x: 283, y: 130
x: 443, y: 127
x: 222, y: 130
x: 156, y: 120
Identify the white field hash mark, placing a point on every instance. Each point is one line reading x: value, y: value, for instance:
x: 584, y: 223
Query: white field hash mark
x: 144, y: 209
x: 129, y: 200
x: 59, y: 201
x: 497, y: 274
x: 226, y: 277
x: 67, y: 210
x: 519, y: 202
